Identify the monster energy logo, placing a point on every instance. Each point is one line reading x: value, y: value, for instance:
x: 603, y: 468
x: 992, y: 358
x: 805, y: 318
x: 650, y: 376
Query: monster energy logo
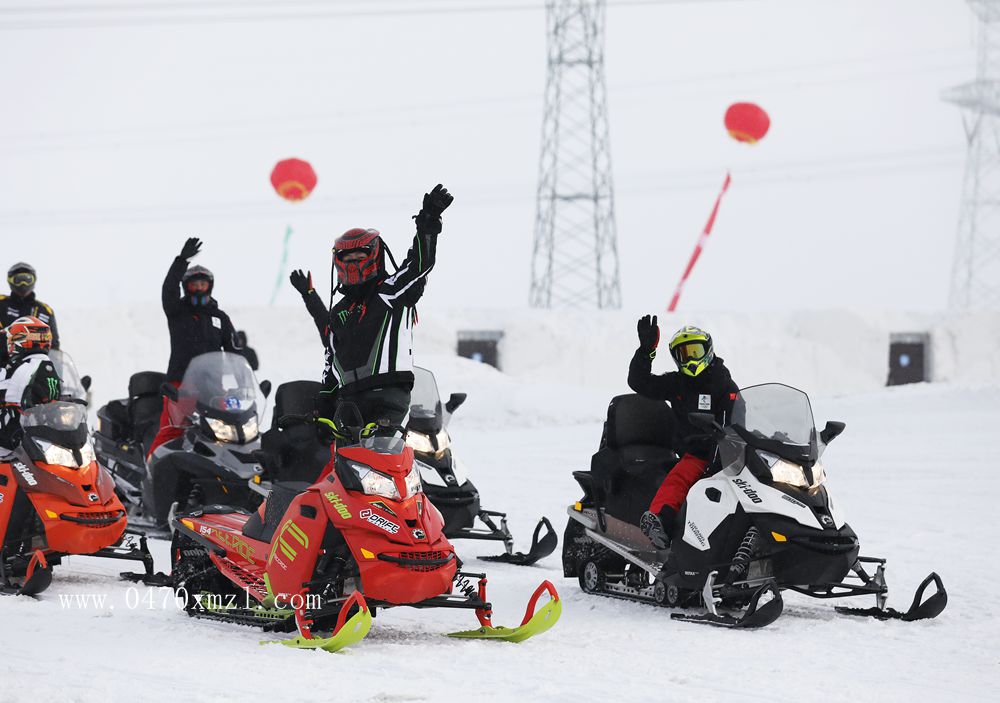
x: 343, y: 315
x: 53, y: 387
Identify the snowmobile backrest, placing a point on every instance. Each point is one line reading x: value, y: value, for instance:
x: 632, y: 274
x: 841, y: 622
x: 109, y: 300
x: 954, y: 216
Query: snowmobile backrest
x: 145, y: 383
x: 295, y: 398
x: 633, y: 419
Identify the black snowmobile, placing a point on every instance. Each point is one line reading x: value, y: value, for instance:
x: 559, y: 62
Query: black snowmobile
x: 214, y: 461
x: 760, y: 522
x: 447, y: 484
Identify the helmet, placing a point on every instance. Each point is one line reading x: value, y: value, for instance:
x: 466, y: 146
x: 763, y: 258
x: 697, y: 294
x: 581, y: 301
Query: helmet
x: 21, y: 277
x: 198, y: 282
x: 366, y: 241
x: 28, y: 334
x: 692, y: 350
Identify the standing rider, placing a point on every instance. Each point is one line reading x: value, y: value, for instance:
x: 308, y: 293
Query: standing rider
x: 702, y: 383
x: 368, y: 332
x: 29, y: 379
x: 196, y: 325
x: 22, y: 303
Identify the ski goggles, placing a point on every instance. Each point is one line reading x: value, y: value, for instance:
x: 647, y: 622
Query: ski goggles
x: 21, y: 280
x: 198, y: 285
x: 689, y: 351
x: 364, y: 252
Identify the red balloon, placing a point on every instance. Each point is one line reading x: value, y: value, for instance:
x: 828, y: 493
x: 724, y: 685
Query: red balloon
x: 747, y: 122
x: 293, y: 179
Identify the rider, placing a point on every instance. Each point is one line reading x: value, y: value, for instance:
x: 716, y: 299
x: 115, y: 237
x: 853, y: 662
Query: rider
x: 196, y: 325
x: 29, y: 379
x: 22, y: 303
x: 368, y: 332
x: 702, y: 383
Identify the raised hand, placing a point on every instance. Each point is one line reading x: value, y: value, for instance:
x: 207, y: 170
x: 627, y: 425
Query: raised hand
x: 649, y: 333
x: 191, y: 248
x: 302, y: 282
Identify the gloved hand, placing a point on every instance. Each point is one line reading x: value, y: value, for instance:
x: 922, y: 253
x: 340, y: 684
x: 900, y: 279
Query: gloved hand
x: 649, y: 333
x: 302, y: 282
x: 435, y: 202
x: 191, y: 248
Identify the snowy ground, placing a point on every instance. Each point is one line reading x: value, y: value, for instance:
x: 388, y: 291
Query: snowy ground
x: 916, y: 472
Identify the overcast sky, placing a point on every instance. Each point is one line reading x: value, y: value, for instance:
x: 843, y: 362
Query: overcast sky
x: 118, y: 141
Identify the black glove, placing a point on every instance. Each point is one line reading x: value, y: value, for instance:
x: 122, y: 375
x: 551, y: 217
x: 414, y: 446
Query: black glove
x: 649, y: 333
x: 302, y: 282
x: 435, y: 202
x: 191, y: 248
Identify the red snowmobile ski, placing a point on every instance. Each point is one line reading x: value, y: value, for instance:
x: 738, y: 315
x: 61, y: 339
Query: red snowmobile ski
x: 321, y: 558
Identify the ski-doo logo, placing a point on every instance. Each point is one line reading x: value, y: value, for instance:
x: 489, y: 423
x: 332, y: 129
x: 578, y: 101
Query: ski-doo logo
x: 379, y: 521
x: 750, y: 492
x: 696, y: 532
x: 93, y: 497
x: 826, y: 520
x: 26, y: 473
x: 338, y: 505
x: 450, y: 479
x: 419, y: 534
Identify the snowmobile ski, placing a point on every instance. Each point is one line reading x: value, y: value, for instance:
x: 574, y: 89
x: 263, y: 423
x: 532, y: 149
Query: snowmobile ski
x: 534, y: 622
x: 920, y: 609
x: 757, y: 614
x: 348, y: 631
x: 541, y: 547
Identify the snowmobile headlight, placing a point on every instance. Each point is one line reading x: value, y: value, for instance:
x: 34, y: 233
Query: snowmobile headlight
x: 56, y: 455
x: 87, y: 454
x: 223, y: 431
x: 794, y: 475
x: 374, y: 483
x: 419, y: 442
x: 413, y: 485
x: 250, y: 430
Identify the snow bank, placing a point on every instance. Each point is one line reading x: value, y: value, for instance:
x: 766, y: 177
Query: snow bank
x: 562, y: 367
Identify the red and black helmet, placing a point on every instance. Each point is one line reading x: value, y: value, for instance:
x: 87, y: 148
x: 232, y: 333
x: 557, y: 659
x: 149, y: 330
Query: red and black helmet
x: 28, y: 334
x: 359, y: 270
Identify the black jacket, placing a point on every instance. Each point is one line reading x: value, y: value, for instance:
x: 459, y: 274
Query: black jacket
x: 193, y: 329
x: 713, y: 390
x: 367, y: 333
x: 13, y: 307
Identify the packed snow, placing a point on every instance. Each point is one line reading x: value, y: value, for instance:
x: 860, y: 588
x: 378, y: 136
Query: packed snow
x: 916, y: 473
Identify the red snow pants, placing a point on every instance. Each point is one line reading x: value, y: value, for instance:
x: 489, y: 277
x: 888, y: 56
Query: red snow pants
x: 678, y: 482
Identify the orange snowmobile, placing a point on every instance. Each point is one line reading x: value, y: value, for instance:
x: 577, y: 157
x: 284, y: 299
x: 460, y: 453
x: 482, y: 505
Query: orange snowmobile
x: 56, y: 500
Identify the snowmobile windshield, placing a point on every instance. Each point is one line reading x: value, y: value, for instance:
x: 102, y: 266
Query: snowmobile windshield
x: 775, y: 411
x: 72, y: 386
x: 59, y: 416
x: 382, y: 444
x: 425, y: 401
x: 219, y: 384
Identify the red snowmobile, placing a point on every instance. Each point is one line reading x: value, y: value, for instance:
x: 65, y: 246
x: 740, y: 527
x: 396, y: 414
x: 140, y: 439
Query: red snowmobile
x: 56, y: 500
x: 321, y: 558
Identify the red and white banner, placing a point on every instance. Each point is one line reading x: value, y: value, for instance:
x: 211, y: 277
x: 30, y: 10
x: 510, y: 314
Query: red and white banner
x: 699, y: 246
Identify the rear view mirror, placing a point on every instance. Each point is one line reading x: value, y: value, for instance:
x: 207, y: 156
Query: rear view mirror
x: 168, y: 390
x: 831, y: 431
x: 85, y: 382
x: 265, y: 387
x: 707, y: 422
x: 454, y: 401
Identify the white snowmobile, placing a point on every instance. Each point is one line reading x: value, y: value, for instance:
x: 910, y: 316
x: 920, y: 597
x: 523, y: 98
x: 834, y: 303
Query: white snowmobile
x: 764, y: 521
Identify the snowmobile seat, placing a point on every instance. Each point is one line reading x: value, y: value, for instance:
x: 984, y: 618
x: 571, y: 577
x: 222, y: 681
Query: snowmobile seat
x: 145, y: 405
x: 295, y: 398
x: 114, y: 420
x: 635, y: 456
x: 282, y: 495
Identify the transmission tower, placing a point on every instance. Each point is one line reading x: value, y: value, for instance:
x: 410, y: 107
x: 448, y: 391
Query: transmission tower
x: 975, y: 276
x: 575, y: 259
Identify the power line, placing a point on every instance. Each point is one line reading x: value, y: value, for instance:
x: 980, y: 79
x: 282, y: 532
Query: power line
x: 215, y: 17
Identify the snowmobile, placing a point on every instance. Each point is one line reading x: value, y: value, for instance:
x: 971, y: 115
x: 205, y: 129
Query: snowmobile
x: 447, y: 484
x: 56, y: 500
x: 321, y: 558
x: 763, y: 521
x: 217, y: 405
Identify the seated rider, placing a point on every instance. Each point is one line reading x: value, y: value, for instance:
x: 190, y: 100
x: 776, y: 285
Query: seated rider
x: 29, y: 378
x: 701, y: 384
x: 368, y: 332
